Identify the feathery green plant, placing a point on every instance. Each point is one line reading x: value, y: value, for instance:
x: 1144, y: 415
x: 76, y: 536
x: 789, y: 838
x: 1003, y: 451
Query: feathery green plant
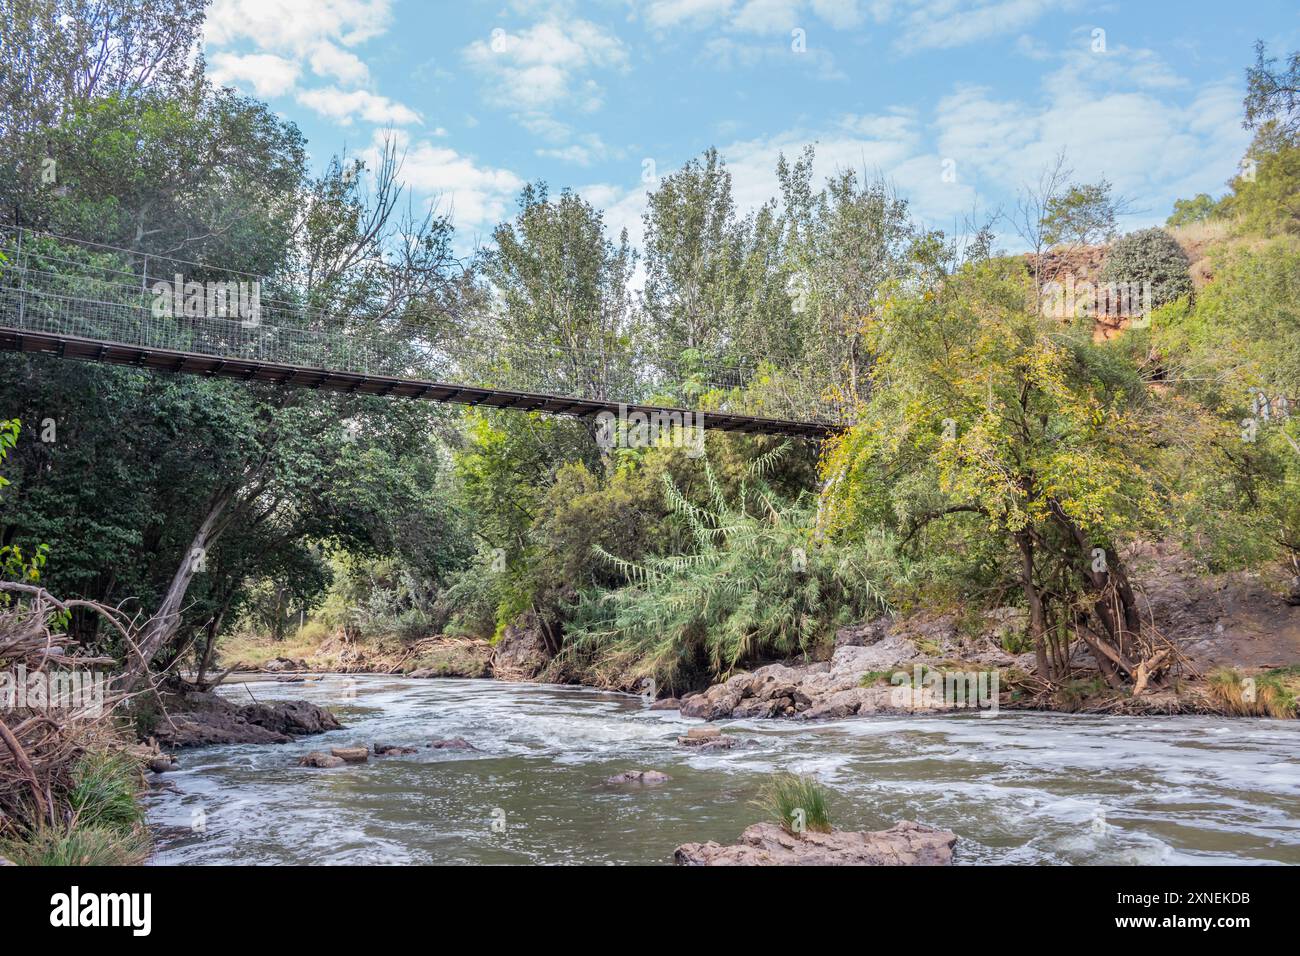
x: 758, y: 585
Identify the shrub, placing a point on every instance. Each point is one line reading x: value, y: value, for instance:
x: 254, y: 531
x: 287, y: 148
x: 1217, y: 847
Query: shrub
x: 757, y: 586
x: 789, y: 797
x: 1150, y: 256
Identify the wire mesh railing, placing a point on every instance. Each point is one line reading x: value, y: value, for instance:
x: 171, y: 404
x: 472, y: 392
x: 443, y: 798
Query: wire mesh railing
x: 114, y: 295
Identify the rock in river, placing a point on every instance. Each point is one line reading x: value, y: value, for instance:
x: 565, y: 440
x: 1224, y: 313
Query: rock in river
x: 766, y: 844
x: 200, y: 719
x: 453, y: 743
x: 322, y: 760
x: 351, y: 754
x: 639, y: 776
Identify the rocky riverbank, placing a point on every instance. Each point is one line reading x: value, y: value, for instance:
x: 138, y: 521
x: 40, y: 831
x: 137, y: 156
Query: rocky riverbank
x: 900, y: 664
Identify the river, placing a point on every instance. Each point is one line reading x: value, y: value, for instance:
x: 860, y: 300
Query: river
x: 1016, y: 788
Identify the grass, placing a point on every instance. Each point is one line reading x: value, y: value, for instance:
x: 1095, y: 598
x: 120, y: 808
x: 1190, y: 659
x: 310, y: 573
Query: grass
x: 107, y: 823
x: 255, y: 650
x: 790, y: 798
x: 78, y: 845
x: 872, y: 678
x: 104, y: 790
x: 1274, y: 692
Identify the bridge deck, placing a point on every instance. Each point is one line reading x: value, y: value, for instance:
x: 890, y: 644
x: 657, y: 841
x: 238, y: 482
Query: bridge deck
x: 196, y: 363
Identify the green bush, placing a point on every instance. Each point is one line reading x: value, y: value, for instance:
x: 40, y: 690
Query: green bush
x: 1150, y: 256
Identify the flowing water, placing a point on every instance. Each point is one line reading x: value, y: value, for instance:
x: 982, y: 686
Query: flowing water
x: 1016, y: 788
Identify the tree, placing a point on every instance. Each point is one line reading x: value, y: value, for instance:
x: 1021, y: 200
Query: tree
x: 564, y: 305
x: 1200, y: 208
x: 693, y: 249
x: 1031, y: 439
x: 1150, y: 258
x: 1273, y: 94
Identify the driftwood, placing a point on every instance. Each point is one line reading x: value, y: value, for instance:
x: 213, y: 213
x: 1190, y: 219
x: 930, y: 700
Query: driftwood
x: 42, y: 739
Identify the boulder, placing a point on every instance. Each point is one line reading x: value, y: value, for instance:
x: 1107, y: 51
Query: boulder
x: 646, y: 777
x: 321, y: 760
x: 388, y: 750
x: 767, y: 844
x: 667, y: 703
x: 293, y: 717
x: 205, y: 718
x: 522, y: 652
x: 452, y: 743
x: 162, y: 763
x: 351, y: 754
x: 707, y: 738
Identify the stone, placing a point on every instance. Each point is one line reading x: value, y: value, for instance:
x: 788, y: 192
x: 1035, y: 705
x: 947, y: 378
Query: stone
x: 453, y: 743
x: 321, y: 760
x: 667, y: 703
x: 162, y: 763
x: 351, y: 754
x: 646, y: 777
x: 388, y: 750
x: 767, y: 844
x: 522, y: 652
x: 204, y: 718
x: 701, y: 739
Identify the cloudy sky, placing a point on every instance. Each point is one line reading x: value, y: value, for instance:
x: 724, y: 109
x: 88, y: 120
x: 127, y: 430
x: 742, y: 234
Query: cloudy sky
x: 958, y: 102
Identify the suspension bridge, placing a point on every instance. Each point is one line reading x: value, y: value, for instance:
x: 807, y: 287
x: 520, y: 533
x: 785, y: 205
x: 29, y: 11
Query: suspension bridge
x: 78, y: 300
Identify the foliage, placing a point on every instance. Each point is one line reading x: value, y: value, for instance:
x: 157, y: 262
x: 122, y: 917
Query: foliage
x: 1200, y: 208
x: 756, y: 585
x: 1031, y: 440
x: 78, y: 845
x: 792, y: 800
x: 1082, y: 214
x: 105, y: 785
x: 1150, y: 256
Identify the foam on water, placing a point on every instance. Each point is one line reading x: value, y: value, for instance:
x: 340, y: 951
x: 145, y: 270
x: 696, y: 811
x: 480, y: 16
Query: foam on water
x: 1018, y: 788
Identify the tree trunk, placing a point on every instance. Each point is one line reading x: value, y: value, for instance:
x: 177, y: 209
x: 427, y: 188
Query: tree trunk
x: 1037, y: 617
x: 161, y: 628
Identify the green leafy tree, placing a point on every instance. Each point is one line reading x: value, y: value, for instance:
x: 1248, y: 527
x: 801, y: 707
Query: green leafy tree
x: 1031, y: 438
x: 1150, y: 257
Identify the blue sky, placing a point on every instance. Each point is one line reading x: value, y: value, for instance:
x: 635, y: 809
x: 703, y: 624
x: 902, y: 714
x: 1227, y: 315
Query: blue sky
x: 601, y: 95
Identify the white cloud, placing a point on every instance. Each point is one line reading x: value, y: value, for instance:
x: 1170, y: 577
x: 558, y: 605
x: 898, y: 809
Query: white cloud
x: 345, y: 106
x: 954, y: 23
x: 539, y: 67
x: 296, y: 25
x: 287, y: 37
x: 753, y: 16
x: 477, y: 196
x: 267, y: 74
x: 330, y: 61
x: 1122, y: 122
x: 583, y: 151
x: 661, y: 14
